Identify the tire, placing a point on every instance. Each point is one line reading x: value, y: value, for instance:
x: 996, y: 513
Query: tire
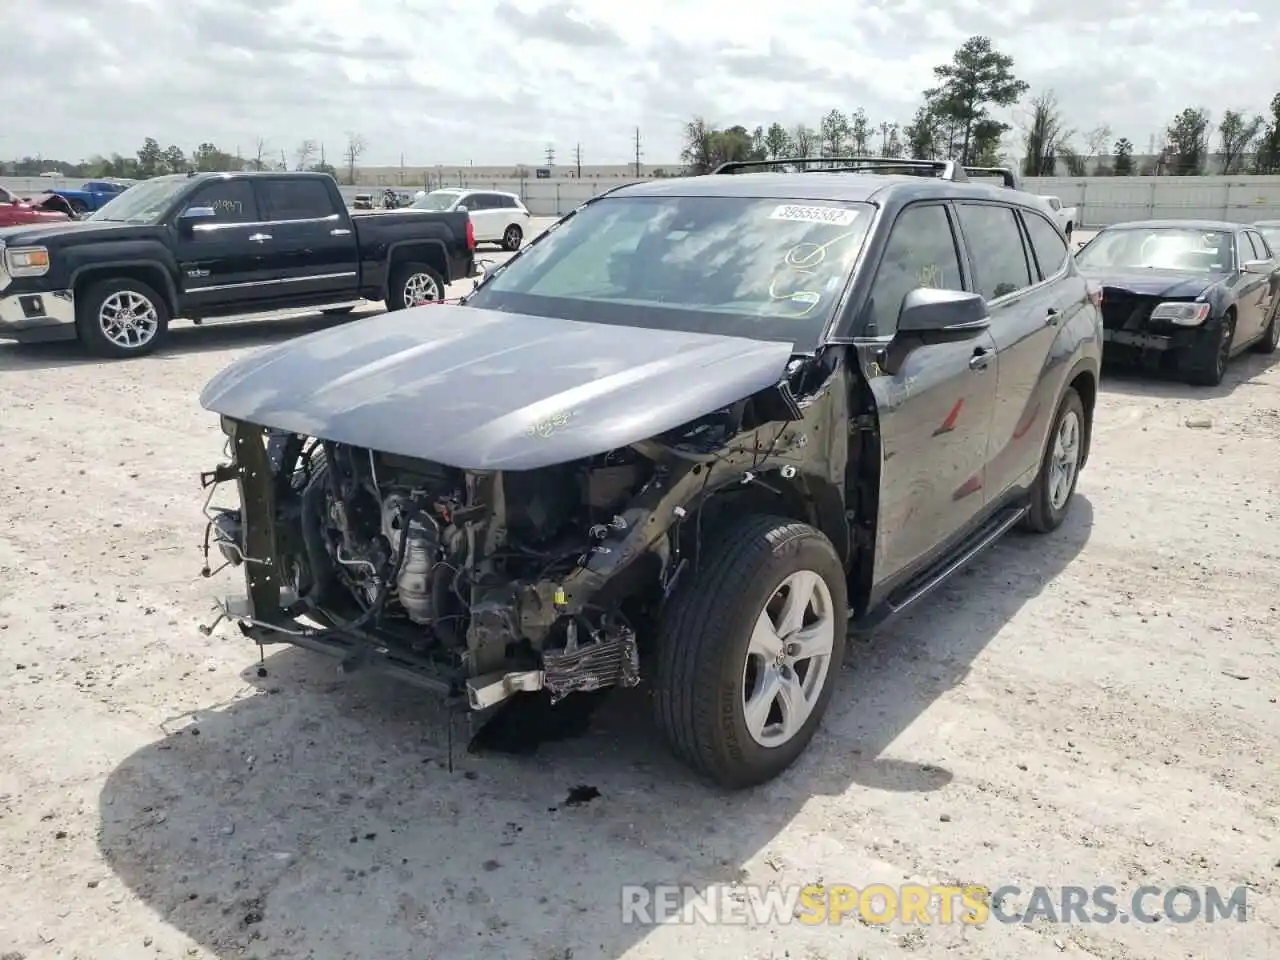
x: 79, y: 208
x: 1061, y: 461
x: 105, y: 299
x: 1271, y: 336
x: 512, y: 237
x: 705, y: 664
x: 338, y: 311
x: 1206, y: 362
x: 422, y: 277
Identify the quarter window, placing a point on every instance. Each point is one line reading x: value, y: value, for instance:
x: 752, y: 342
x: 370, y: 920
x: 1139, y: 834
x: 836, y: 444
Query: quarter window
x: 232, y: 201
x: 920, y: 252
x: 1049, y: 247
x: 995, y: 244
x: 1260, y: 249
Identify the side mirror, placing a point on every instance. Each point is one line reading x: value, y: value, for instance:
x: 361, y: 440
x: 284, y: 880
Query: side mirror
x: 940, y: 316
x: 1257, y: 267
x: 189, y: 217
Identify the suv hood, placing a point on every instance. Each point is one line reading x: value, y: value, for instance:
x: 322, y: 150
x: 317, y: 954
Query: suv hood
x: 487, y: 390
x: 1155, y: 283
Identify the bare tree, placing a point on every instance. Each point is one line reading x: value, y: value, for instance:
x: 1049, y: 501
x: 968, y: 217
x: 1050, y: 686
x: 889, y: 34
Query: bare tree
x: 304, y: 153
x: 259, y: 148
x: 1043, y: 136
x: 355, y: 150
x: 1096, y: 142
x: 1238, y: 134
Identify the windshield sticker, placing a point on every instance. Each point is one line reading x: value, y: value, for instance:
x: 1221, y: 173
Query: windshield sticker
x: 803, y: 300
x: 836, y: 216
x: 812, y: 254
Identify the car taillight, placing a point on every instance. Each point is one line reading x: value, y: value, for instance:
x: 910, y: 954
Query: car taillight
x: 471, y: 234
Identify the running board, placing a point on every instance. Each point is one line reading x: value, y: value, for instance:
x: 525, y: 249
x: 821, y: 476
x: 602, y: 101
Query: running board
x: 921, y: 586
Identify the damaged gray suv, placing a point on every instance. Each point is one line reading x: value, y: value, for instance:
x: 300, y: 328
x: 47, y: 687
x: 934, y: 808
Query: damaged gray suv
x: 689, y: 436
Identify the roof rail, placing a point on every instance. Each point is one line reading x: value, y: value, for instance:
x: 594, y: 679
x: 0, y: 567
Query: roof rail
x: 943, y: 169
x: 1004, y: 173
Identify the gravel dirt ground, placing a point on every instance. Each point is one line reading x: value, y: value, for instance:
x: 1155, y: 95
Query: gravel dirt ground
x: 1095, y: 707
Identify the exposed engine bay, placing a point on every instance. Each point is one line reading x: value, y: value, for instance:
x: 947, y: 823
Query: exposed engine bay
x: 496, y: 582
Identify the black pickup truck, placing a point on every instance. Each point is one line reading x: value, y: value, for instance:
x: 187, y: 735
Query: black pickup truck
x: 208, y: 245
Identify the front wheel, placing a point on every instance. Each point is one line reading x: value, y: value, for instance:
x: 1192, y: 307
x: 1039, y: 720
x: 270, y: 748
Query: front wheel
x: 412, y: 285
x: 1271, y: 338
x: 1206, y: 362
x: 512, y: 237
x: 1060, y: 468
x: 749, y: 650
x: 121, y: 318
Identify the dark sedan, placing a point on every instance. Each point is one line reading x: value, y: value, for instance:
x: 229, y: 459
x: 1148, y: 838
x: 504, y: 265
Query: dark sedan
x: 1190, y: 294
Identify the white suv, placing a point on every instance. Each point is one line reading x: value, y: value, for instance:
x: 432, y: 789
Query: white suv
x: 497, y: 217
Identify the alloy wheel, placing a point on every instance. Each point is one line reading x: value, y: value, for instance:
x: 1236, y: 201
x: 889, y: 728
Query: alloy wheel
x: 128, y: 319
x: 421, y: 288
x: 788, y: 658
x: 1065, y: 460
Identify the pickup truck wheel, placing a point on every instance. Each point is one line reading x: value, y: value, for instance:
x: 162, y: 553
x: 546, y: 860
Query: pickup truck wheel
x: 121, y: 318
x: 749, y: 650
x: 512, y: 237
x: 412, y: 285
x: 1060, y: 469
x: 78, y: 207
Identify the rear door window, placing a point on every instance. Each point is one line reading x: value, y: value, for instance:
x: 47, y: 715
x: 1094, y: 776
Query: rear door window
x: 295, y: 199
x: 1050, y: 249
x: 996, y: 250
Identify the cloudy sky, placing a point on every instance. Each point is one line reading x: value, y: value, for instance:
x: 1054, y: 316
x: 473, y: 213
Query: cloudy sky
x: 493, y: 81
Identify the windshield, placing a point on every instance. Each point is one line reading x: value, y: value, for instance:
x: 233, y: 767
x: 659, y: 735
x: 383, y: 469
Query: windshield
x: 768, y: 269
x: 143, y: 203
x: 436, y: 200
x: 1160, y: 248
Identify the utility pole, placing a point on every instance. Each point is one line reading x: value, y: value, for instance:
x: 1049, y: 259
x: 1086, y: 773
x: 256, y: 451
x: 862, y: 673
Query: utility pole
x: 402, y: 169
x: 639, y: 154
x: 550, y: 154
x: 577, y: 159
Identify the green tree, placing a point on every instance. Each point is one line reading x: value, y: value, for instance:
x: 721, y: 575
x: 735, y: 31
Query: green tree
x: 1123, y: 152
x: 1188, y: 145
x: 833, y: 130
x: 922, y: 134
x: 777, y: 142
x: 1237, y: 134
x: 174, y: 159
x: 859, y: 132
x: 977, y: 77
x: 209, y: 159
x: 150, y: 158
x: 804, y: 141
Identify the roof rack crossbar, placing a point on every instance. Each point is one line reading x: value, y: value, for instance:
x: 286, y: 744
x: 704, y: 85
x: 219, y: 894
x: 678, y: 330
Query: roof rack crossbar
x: 1004, y: 173
x: 944, y: 169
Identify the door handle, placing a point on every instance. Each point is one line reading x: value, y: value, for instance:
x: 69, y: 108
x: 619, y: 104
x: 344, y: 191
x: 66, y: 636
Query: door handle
x: 1052, y: 316
x: 259, y: 237
x: 980, y: 360
x: 339, y: 232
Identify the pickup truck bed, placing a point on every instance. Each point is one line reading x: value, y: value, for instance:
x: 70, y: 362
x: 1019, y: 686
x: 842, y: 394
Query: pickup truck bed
x: 216, y: 245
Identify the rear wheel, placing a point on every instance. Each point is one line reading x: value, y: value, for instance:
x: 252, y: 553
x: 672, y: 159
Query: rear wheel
x: 121, y: 318
x: 1060, y: 469
x: 749, y: 652
x: 1206, y: 362
x: 512, y: 237
x: 412, y: 285
x: 78, y: 207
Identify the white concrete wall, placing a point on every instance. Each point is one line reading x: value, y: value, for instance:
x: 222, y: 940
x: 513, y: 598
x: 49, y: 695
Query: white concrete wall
x: 1102, y: 200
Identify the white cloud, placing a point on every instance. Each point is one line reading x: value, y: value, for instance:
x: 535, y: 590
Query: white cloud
x: 492, y: 82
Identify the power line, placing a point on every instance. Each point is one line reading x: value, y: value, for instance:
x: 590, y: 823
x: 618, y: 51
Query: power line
x: 639, y: 153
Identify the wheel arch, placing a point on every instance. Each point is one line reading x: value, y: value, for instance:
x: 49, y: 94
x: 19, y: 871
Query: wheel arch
x: 430, y: 252
x: 152, y: 274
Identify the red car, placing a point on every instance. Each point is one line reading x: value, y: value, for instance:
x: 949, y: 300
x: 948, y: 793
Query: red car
x: 15, y: 212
